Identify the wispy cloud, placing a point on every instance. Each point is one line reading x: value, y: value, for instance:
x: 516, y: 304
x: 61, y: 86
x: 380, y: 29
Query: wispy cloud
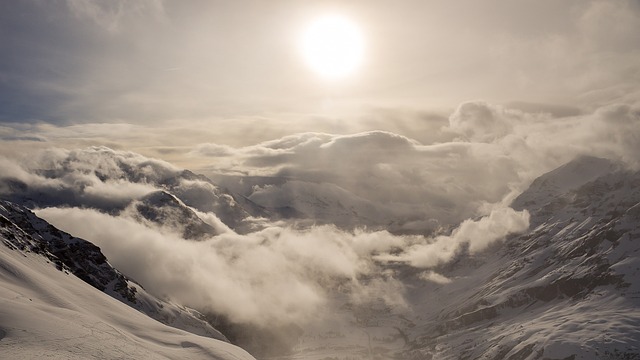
x: 111, y: 15
x: 472, y: 236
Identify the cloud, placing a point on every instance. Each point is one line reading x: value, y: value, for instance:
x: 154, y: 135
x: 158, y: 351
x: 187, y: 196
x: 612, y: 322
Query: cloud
x: 481, y: 122
x: 213, y: 150
x: 618, y: 129
x: 110, y: 15
x: 95, y: 177
x: 472, y: 236
x: 97, y: 61
x: 23, y: 138
x: 454, y: 194
x: 274, y: 276
x: 434, y: 277
x: 378, y: 173
x: 274, y: 273
x: 278, y: 275
x: 484, y: 154
x: 554, y: 110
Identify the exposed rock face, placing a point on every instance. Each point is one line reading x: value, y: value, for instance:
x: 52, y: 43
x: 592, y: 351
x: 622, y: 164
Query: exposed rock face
x: 164, y: 209
x: 22, y: 229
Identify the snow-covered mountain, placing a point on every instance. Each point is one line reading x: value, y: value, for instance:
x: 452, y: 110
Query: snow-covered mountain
x: 569, y: 288
x: 562, y: 180
x: 165, y: 210
x: 62, y: 299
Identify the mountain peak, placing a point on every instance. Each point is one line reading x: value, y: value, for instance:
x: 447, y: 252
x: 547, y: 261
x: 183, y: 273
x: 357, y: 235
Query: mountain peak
x: 165, y: 209
x: 570, y: 176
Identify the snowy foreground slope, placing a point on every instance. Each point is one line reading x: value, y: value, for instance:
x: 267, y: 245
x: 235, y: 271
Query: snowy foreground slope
x: 48, y: 312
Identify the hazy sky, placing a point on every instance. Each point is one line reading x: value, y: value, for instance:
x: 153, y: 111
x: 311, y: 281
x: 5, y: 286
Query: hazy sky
x: 148, y: 61
x: 161, y: 77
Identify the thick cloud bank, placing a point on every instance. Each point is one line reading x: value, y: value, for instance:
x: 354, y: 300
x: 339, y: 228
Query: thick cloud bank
x: 487, y: 154
x: 277, y: 275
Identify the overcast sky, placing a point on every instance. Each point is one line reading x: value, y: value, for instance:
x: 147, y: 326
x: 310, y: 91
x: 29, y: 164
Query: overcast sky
x: 146, y: 61
x: 161, y: 77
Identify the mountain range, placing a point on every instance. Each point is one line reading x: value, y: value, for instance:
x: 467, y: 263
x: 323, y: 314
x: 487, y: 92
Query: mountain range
x: 566, y: 288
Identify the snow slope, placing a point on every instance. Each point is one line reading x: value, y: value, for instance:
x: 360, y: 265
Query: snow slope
x: 51, y: 314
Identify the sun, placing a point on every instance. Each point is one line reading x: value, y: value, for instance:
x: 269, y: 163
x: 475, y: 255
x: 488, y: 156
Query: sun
x: 333, y: 46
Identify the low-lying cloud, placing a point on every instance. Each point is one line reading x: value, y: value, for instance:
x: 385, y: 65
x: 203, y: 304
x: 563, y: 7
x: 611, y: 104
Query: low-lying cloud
x: 472, y: 236
x: 274, y: 276
x: 277, y: 275
x: 453, y: 195
x: 95, y: 177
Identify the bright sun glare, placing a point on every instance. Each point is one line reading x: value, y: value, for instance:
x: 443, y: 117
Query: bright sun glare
x: 333, y: 46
